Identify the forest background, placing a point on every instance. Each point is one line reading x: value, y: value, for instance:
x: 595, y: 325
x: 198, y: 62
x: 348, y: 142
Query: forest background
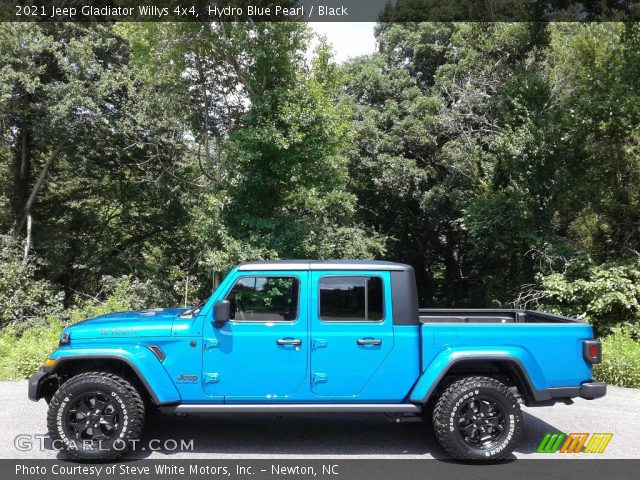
x: 140, y: 161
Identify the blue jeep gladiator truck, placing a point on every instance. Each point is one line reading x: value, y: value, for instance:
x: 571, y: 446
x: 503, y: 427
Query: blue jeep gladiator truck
x: 313, y: 336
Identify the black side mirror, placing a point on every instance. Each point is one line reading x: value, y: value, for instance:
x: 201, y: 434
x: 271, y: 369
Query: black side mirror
x: 222, y: 313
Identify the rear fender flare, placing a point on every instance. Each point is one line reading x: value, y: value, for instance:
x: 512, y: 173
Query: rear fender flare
x: 447, y: 359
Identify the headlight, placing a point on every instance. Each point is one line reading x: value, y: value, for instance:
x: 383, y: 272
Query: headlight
x: 65, y: 339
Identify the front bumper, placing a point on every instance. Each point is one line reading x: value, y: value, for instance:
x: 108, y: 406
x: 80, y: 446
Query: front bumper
x: 38, y: 382
x: 593, y: 390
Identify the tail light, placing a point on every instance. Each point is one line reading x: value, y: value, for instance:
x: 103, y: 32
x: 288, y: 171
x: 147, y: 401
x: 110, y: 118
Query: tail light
x: 592, y: 351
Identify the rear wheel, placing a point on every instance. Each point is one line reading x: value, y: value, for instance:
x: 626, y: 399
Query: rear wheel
x: 95, y: 416
x: 477, y: 418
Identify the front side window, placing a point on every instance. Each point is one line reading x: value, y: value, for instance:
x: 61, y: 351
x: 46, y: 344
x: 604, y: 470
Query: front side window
x: 351, y: 298
x: 264, y: 299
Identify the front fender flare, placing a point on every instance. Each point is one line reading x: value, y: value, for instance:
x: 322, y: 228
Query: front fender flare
x: 142, y: 361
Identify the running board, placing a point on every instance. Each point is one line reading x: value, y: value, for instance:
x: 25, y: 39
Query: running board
x: 192, y: 408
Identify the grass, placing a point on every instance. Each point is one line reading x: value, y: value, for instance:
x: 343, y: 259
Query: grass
x: 621, y: 361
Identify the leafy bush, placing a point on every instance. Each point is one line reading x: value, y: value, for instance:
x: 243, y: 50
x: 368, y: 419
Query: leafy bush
x: 24, y: 346
x: 21, y: 354
x: 117, y: 295
x: 621, y: 360
x: 32, y: 314
x: 605, y: 295
x: 23, y: 298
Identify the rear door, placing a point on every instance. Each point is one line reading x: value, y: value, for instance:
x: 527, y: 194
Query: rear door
x: 262, y: 352
x: 351, y: 329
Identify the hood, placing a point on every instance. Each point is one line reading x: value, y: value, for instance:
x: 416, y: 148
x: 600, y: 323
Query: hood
x: 154, y: 322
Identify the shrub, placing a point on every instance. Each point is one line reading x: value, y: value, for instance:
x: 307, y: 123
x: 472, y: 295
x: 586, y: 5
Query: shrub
x: 24, y: 346
x: 621, y: 360
x: 607, y: 295
x: 118, y: 294
x: 22, y: 353
x: 23, y: 297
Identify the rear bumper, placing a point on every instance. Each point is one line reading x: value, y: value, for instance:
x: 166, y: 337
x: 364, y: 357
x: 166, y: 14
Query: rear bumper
x: 593, y: 390
x: 551, y: 396
x: 587, y: 390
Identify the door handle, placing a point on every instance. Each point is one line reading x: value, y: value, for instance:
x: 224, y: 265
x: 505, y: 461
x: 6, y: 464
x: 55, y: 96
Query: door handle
x: 369, y: 341
x: 289, y: 341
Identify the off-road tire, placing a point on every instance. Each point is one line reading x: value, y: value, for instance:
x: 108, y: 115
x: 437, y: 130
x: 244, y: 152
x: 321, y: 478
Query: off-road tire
x: 447, y: 413
x: 127, y: 401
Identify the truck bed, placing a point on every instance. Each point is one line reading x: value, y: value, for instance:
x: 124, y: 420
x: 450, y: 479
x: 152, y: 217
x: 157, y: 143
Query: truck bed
x: 487, y: 315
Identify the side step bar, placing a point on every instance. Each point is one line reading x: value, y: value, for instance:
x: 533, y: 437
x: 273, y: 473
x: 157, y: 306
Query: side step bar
x: 230, y: 408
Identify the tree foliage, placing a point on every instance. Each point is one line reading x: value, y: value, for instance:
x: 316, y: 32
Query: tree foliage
x: 501, y: 160
x: 495, y: 154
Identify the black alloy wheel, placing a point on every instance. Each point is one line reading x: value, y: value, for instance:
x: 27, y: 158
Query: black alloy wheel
x: 93, y: 416
x: 481, y: 422
x: 477, y: 418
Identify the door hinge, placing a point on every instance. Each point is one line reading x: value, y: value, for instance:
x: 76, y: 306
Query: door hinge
x: 317, y: 377
x: 211, y: 377
x: 210, y: 343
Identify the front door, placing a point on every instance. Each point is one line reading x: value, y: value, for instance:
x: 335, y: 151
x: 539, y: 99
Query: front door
x: 261, y: 353
x: 351, y: 330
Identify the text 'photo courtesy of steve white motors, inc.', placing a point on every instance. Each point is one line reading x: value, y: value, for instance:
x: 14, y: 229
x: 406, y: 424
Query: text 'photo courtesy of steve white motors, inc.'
x: 382, y: 239
x: 187, y: 469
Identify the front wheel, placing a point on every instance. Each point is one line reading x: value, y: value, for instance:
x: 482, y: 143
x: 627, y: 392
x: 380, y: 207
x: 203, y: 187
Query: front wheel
x: 95, y: 416
x: 477, y: 418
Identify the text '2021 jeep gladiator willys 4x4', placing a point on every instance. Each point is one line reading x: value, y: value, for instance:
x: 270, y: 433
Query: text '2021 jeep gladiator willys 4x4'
x: 304, y: 336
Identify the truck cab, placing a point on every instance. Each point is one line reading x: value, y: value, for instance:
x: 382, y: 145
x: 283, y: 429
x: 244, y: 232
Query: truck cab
x: 319, y: 330
x: 316, y: 336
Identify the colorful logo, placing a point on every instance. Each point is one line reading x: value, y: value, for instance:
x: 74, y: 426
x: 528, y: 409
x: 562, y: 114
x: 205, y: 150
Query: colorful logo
x: 574, y: 443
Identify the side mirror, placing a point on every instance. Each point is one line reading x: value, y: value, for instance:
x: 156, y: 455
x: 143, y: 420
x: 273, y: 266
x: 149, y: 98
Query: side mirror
x: 222, y: 312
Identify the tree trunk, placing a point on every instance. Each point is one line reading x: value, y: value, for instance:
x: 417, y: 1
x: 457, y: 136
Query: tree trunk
x: 186, y: 291
x: 36, y: 188
x: 27, y: 243
x: 205, y: 98
x: 22, y: 168
x: 453, y: 280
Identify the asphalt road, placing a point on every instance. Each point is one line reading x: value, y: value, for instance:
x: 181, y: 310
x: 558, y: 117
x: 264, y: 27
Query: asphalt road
x: 353, y: 436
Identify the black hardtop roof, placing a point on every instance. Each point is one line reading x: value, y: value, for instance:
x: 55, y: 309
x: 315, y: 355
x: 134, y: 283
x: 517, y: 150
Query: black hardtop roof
x: 323, y: 265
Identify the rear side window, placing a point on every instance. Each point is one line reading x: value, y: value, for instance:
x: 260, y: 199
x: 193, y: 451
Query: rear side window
x: 351, y: 298
x: 264, y: 299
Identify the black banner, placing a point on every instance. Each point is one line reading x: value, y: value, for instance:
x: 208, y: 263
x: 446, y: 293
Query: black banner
x: 321, y: 469
x: 319, y: 10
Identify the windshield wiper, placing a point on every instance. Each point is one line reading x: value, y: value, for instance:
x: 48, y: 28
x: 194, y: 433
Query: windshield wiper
x: 192, y: 311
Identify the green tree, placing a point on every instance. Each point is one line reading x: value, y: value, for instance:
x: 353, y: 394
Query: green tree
x: 270, y: 136
x: 491, y: 153
x: 288, y: 171
x: 92, y: 160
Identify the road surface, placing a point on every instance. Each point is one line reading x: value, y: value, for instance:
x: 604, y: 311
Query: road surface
x: 316, y: 436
